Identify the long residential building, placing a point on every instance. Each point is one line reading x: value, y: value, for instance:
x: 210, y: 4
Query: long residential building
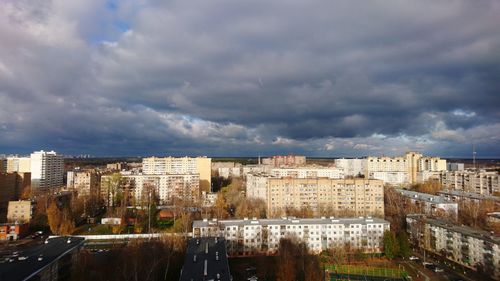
x: 308, y: 173
x: 165, y: 187
x: 47, y: 169
x: 180, y: 165
x: 285, y: 161
x: 431, y: 204
x: 463, y: 245
x: 480, y: 182
x: 251, y: 236
x: 360, y: 197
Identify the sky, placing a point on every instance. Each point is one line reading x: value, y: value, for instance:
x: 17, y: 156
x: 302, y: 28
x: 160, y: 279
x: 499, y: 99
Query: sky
x: 247, y: 78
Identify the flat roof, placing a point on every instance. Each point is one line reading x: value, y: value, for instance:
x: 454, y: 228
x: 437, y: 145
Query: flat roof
x: 290, y: 221
x: 425, y: 197
x: 206, y: 259
x: 471, y: 195
x: 52, y: 251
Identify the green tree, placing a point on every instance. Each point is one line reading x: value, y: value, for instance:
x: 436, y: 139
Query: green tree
x: 404, y: 245
x: 390, y: 245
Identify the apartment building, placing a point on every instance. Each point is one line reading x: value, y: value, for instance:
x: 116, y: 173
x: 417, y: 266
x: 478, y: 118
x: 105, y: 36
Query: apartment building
x: 459, y: 195
x: 431, y: 204
x: 256, y: 185
x: 308, y: 173
x: 84, y: 182
x: 390, y: 178
x: 361, y: 197
x: 287, y: 160
x: 256, y: 169
x: 11, y: 187
x: 252, y: 236
x: 180, y: 165
x: 480, y: 182
x: 20, y: 211
x: 47, y: 169
x: 165, y: 187
x: 352, y: 167
x: 463, y: 245
x: 18, y: 164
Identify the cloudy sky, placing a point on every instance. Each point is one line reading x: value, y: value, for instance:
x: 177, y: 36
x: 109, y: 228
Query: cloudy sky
x: 241, y: 78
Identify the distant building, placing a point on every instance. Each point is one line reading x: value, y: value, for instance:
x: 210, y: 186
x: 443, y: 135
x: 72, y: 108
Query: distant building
x: 116, y: 166
x: 455, y: 167
x: 18, y: 164
x: 256, y: 185
x: 111, y: 221
x: 20, y: 211
x: 254, y: 236
x: 287, y: 160
x: 226, y: 172
x: 360, y: 197
x: 47, y: 169
x: 390, y: 178
x: 431, y: 204
x: 463, y: 245
x: 84, y: 182
x: 459, y: 195
x: 3, y: 165
x: 165, y: 187
x: 11, y: 187
x: 13, y: 231
x: 308, y: 173
x: 480, y: 182
x: 181, y: 165
x: 208, y: 198
x: 352, y: 167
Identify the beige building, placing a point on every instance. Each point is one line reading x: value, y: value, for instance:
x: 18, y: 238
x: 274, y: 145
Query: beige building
x: 11, y: 187
x: 411, y: 163
x: 18, y: 164
x: 84, y: 182
x: 359, y: 197
x: 19, y: 211
x: 180, y: 165
x: 480, y: 182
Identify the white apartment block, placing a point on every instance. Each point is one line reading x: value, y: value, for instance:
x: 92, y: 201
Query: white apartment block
x: 229, y: 172
x: 247, y: 237
x: 47, y: 169
x: 390, y: 178
x: 256, y: 169
x: 431, y: 204
x: 480, y: 182
x: 166, y: 187
x: 352, y: 167
x: 256, y: 185
x: 308, y: 173
x: 283, y: 161
x: 84, y: 182
x: 358, y: 196
x: 463, y: 245
x: 180, y: 165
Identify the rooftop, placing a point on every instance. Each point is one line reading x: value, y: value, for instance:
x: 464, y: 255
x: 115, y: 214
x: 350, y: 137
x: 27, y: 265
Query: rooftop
x: 425, y: 197
x: 290, y: 220
x: 471, y: 195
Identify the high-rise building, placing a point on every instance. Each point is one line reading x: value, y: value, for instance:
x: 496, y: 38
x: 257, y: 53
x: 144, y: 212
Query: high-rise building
x: 480, y: 182
x: 180, y: 165
x: 47, y: 168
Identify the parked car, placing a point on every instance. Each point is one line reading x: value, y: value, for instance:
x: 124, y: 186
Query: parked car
x: 413, y: 258
x: 438, y: 269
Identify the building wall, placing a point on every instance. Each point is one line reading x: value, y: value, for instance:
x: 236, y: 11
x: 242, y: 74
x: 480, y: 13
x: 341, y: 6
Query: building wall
x: 19, y: 211
x: 287, y: 160
x: 359, y: 196
x: 18, y: 164
x: 256, y: 186
x: 351, y: 167
x: 85, y: 182
x: 308, y: 172
x: 183, y: 165
x: 47, y: 170
x: 471, y: 181
x: 391, y: 178
x: 247, y: 237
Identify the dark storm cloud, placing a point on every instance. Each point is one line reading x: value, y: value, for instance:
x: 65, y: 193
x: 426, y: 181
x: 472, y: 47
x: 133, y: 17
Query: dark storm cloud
x: 250, y: 77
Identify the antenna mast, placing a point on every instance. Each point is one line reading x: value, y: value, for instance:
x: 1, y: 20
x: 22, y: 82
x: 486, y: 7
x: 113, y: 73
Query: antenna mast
x: 474, y: 156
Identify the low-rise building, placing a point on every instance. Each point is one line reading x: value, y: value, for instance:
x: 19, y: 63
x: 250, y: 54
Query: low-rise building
x: 13, y: 231
x: 251, y: 236
x: 431, y: 204
x: 20, y: 211
x: 472, y: 248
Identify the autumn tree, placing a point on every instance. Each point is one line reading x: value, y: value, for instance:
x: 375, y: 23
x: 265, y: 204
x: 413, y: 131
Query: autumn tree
x: 390, y: 244
x: 60, y: 222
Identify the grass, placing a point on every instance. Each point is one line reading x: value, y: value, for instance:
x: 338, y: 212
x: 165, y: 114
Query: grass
x: 367, y: 270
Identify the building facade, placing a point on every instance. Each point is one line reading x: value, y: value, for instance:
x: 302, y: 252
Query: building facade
x: 431, y: 204
x: 84, y: 182
x: 472, y: 248
x: 20, y: 211
x: 359, y: 197
x: 287, y: 160
x: 181, y: 165
x: 352, y: 167
x: 252, y: 236
x: 47, y: 169
x: 480, y: 182
x: 390, y: 178
x: 18, y: 164
x: 308, y: 173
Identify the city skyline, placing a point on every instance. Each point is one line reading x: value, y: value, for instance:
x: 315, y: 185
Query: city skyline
x: 225, y: 78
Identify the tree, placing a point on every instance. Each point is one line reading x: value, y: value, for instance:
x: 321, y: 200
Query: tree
x: 54, y: 217
x: 390, y: 245
x: 287, y: 265
x: 404, y: 245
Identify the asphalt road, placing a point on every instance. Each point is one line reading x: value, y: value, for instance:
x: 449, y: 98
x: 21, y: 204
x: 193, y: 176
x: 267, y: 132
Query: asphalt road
x: 22, y: 269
